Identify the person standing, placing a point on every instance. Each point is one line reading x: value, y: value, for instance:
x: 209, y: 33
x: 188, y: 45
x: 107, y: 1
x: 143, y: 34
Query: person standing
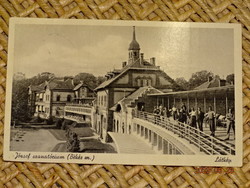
x: 230, y: 122
x: 200, y: 118
x: 156, y: 112
x: 144, y: 114
x: 211, y: 117
x: 164, y: 113
x: 174, y: 112
x: 193, y: 118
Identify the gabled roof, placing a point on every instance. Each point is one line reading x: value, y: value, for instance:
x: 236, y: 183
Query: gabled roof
x: 81, y: 85
x: 123, y: 71
x: 38, y: 87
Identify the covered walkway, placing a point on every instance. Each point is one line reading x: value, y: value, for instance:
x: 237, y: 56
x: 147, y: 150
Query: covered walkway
x: 130, y: 144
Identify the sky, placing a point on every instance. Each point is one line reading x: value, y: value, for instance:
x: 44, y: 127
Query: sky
x: 67, y: 50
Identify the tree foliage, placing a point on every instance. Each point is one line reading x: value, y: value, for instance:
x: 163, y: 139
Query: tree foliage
x: 182, y: 82
x: 20, y: 96
x: 88, y: 79
x: 230, y: 78
x: 199, y: 78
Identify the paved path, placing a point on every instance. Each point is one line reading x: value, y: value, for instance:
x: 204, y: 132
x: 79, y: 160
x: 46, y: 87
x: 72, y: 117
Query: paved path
x: 221, y: 133
x: 40, y: 140
x: 130, y: 144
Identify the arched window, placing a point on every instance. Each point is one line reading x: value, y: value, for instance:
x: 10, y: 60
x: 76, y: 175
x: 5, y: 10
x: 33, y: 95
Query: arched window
x: 69, y: 98
x: 58, y: 97
x: 118, y: 108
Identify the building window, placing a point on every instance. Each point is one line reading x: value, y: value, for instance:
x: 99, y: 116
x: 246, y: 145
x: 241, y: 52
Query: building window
x: 105, y: 98
x: 138, y: 82
x: 141, y: 82
x: 102, y: 100
x: 149, y: 82
x: 69, y: 98
x: 58, y: 97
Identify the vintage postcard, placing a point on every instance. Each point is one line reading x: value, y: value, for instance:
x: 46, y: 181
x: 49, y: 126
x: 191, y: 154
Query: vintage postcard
x: 124, y: 92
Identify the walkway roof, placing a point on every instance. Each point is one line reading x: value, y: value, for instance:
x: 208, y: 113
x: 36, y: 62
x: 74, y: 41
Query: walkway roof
x: 219, y: 90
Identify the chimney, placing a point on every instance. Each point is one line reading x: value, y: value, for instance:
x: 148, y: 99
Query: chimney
x: 152, y: 60
x: 222, y: 82
x: 210, y: 78
x: 142, y: 58
x: 124, y: 64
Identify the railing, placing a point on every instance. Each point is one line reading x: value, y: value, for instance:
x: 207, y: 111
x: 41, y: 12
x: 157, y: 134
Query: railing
x: 78, y: 109
x: 76, y: 119
x: 77, y: 104
x: 203, y: 141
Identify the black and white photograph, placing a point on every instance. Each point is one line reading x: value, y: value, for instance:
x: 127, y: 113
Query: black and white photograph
x: 124, y: 92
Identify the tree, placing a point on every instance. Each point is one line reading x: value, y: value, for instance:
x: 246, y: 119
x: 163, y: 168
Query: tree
x: 19, y: 100
x: 88, y: 79
x: 20, y: 96
x: 100, y: 79
x: 230, y: 78
x: 182, y: 82
x: 199, y: 78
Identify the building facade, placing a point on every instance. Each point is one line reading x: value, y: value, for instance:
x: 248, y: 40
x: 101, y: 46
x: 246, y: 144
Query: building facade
x: 136, y: 73
x: 49, y: 98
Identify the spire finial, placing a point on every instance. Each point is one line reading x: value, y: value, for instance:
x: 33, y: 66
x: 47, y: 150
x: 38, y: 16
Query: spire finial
x: 134, y: 44
x: 134, y: 33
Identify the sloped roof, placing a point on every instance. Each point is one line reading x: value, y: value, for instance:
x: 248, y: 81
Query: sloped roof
x: 37, y: 87
x: 81, y: 85
x: 108, y: 82
x: 60, y: 84
x: 126, y: 101
x: 215, y: 82
x: 123, y: 71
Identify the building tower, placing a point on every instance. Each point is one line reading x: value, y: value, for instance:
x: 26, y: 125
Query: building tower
x: 134, y: 49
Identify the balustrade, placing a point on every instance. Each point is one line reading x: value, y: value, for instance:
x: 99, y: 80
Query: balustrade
x: 78, y: 109
x: 205, y: 143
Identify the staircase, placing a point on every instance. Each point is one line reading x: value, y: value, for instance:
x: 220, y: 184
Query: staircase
x: 140, y: 93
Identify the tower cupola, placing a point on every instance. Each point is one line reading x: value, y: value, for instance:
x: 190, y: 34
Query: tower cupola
x: 134, y: 49
x: 134, y: 45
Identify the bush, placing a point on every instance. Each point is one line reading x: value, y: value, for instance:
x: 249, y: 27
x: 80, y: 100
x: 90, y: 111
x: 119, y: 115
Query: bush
x: 49, y: 121
x: 36, y: 120
x: 65, y: 124
x: 59, y: 123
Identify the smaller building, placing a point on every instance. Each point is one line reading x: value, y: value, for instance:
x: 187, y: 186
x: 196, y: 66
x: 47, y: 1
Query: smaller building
x: 212, y: 82
x: 33, y: 92
x: 51, y: 97
x: 83, y: 94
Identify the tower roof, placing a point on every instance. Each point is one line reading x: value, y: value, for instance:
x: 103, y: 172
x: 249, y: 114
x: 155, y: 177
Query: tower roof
x: 134, y: 45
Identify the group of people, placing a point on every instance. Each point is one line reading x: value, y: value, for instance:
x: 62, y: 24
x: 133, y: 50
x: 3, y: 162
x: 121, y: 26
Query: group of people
x: 195, y: 118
